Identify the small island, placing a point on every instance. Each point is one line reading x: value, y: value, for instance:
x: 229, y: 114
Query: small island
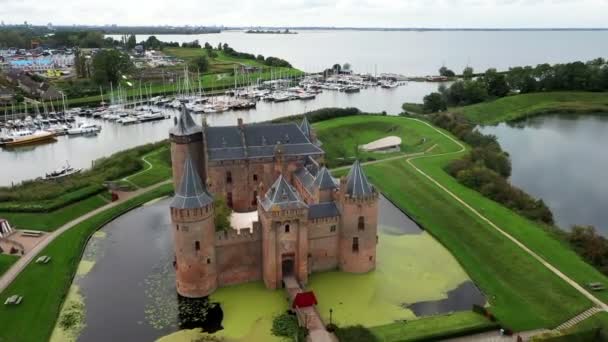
x: 258, y: 31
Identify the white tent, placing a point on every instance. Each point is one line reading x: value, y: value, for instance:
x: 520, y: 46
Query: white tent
x: 5, y: 228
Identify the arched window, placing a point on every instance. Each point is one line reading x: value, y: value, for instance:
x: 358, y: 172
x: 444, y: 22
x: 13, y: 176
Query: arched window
x: 361, y: 223
x: 197, y: 246
x: 228, y: 177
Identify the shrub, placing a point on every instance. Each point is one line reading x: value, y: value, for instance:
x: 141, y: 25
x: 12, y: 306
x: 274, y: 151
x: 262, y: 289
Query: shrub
x: 286, y: 325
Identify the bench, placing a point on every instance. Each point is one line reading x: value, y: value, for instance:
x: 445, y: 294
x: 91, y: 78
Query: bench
x: 31, y: 233
x: 13, y: 300
x: 596, y: 286
x: 43, y: 259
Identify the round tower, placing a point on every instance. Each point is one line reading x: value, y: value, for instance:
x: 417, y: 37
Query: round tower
x: 192, y: 215
x: 187, y: 139
x: 359, y: 228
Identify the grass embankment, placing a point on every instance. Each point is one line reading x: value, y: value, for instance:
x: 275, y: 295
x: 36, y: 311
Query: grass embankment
x: 516, y: 107
x: 6, y: 261
x: 522, y: 292
x: 341, y: 138
x: 433, y: 328
x: 47, y: 205
x: 44, y: 287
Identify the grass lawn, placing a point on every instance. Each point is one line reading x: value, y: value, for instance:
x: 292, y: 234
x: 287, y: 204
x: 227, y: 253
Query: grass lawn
x: 432, y: 327
x: 52, y: 220
x: 157, y: 171
x: 341, y: 138
x: 522, y: 292
x: 520, y: 106
x: 6, y: 261
x: 44, y: 287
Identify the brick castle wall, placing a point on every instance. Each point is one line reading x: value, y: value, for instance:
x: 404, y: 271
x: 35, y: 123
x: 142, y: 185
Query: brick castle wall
x: 239, y: 256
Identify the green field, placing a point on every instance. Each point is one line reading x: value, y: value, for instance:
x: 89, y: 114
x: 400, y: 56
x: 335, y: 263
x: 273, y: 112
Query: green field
x: 157, y: 169
x: 341, y: 138
x: 6, y: 261
x: 525, y: 105
x: 522, y: 293
x: 44, y: 287
x: 432, y: 327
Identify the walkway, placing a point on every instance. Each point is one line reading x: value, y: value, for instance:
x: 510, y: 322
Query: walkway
x: 7, y: 278
x: 416, y: 154
x: 495, y: 336
x: 148, y: 168
x: 308, y: 317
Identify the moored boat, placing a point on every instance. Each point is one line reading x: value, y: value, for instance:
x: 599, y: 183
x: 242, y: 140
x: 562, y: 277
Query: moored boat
x: 27, y: 137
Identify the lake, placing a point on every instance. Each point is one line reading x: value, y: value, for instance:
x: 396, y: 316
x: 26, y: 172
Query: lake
x: 561, y: 159
x: 413, y: 53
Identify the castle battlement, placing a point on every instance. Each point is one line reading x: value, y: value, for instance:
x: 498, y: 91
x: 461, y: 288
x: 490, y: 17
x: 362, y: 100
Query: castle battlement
x: 235, y: 236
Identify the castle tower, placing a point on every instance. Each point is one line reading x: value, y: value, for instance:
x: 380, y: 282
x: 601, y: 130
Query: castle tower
x: 186, y: 139
x: 325, y: 186
x: 284, y: 220
x: 358, y: 233
x: 308, y: 131
x: 193, y: 235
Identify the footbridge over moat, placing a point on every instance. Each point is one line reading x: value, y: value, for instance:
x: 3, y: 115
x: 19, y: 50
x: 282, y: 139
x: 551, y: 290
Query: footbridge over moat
x: 308, y: 316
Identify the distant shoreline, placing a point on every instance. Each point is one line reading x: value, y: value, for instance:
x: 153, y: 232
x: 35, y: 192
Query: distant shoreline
x: 422, y: 29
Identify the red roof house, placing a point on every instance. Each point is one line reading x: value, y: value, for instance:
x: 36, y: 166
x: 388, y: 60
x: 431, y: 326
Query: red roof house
x: 304, y: 299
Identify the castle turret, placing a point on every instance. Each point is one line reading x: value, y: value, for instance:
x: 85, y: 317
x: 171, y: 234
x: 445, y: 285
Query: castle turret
x: 358, y: 233
x: 284, y: 219
x: 324, y: 186
x: 187, y: 140
x: 308, y: 131
x: 193, y: 235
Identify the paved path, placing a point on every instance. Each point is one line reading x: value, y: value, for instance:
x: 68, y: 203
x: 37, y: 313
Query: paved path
x: 17, y: 267
x: 553, y: 269
x: 388, y: 159
x: 495, y: 336
x: 148, y: 168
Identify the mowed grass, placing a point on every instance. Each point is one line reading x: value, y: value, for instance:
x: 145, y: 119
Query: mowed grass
x: 342, y: 137
x: 158, y: 170
x: 432, y: 327
x: 6, y: 261
x: 522, y: 292
x: 524, y: 105
x: 44, y: 287
x: 52, y: 220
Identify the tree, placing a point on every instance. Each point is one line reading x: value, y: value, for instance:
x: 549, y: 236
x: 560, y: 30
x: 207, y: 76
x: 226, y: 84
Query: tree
x: 496, y: 83
x: 200, y: 64
x: 467, y: 73
x: 109, y: 65
x: 208, y: 46
x: 443, y: 71
x: 337, y: 68
x: 434, y: 102
x: 222, y: 214
x: 131, y: 42
x: 219, y: 46
x: 346, y: 67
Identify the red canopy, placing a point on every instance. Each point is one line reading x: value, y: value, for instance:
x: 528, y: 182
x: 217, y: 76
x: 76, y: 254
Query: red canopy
x: 304, y: 299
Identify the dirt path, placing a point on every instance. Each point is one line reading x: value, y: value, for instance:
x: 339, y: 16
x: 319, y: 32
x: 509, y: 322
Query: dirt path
x: 7, y: 278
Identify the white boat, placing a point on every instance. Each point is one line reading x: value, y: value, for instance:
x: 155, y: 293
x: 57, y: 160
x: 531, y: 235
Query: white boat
x: 26, y: 137
x: 150, y: 116
x: 63, y: 171
x: 129, y: 120
x: 84, y: 128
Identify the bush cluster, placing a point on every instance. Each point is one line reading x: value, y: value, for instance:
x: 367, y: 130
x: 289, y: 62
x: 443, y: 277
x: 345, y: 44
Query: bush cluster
x: 487, y: 168
x: 355, y: 333
x: 320, y: 115
x: 286, y: 325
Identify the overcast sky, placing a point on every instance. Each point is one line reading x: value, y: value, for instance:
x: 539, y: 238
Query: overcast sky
x: 359, y: 13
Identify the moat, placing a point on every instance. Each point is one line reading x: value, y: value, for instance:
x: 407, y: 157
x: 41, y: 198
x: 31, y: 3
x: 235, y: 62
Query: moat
x: 131, y: 284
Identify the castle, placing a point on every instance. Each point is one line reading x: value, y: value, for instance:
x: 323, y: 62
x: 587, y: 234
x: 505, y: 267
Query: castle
x: 307, y: 221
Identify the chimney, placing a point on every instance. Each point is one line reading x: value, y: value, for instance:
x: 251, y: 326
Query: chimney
x: 240, y: 123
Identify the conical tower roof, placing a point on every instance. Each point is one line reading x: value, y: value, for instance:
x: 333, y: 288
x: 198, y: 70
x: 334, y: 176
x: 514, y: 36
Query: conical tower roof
x: 191, y: 193
x: 185, y: 125
x: 306, y: 128
x: 357, y: 184
x: 324, y: 180
x: 282, y: 195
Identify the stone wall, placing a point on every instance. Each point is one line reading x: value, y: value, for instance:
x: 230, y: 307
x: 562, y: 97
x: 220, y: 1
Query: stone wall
x: 323, y: 238
x: 239, y: 256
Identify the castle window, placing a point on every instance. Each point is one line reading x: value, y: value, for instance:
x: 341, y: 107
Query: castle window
x: 371, y: 258
x: 255, y: 178
x: 197, y: 246
x: 229, y: 200
x: 177, y: 227
x: 332, y: 228
x: 286, y: 228
x: 209, y: 260
x: 228, y: 177
x: 356, y: 244
x: 361, y: 223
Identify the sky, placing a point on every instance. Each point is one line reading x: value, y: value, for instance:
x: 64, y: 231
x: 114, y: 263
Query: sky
x: 339, y: 13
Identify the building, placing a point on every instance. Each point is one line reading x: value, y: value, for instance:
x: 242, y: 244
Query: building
x: 307, y: 221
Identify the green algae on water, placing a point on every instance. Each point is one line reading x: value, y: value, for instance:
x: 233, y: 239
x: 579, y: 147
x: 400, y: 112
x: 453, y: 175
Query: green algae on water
x: 71, y: 319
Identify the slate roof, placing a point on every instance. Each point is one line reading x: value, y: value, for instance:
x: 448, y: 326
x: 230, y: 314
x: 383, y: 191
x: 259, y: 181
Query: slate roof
x: 185, y: 124
x: 282, y: 195
x: 324, y: 180
x: 357, y: 184
x: 306, y: 128
x: 322, y: 210
x: 257, y: 141
x: 191, y: 193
